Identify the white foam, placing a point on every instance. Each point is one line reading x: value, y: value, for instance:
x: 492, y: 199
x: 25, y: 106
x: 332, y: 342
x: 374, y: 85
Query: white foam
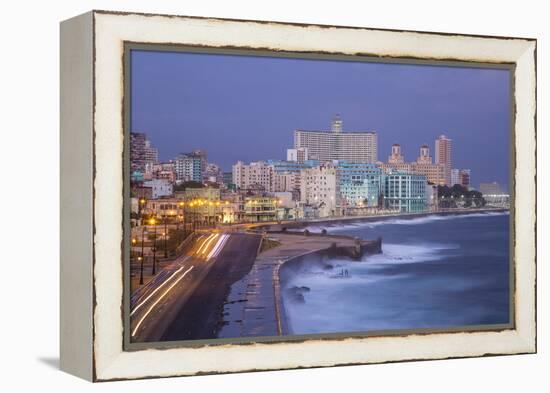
x: 398, y: 221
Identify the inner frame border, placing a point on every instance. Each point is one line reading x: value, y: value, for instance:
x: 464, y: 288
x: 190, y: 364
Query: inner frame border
x: 129, y: 46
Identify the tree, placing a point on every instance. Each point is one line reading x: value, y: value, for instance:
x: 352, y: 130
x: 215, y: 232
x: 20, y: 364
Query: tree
x: 188, y: 184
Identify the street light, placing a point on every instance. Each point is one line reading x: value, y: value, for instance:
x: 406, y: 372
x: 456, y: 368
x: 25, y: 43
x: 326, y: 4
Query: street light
x: 142, y: 257
x: 153, y: 222
x: 164, y: 235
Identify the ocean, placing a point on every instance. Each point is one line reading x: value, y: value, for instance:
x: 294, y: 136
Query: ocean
x: 435, y: 272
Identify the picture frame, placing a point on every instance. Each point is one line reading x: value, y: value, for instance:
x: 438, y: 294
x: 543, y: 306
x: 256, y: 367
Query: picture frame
x: 94, y: 147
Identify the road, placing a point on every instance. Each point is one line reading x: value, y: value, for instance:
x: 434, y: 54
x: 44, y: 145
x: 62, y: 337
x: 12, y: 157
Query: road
x: 185, y: 300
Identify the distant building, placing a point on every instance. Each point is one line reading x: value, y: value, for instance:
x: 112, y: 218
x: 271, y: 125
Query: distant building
x: 137, y: 151
x: 490, y: 189
x: 435, y: 173
x: 160, y: 188
x: 141, y: 152
x: 319, y: 188
x: 227, y: 178
x: 260, y: 208
x: 424, y: 157
x: 209, y: 194
x: 396, y: 157
x: 286, y: 182
x: 359, y: 184
x: 213, y: 173
x: 357, y: 146
x: 151, y: 153
x: 405, y: 192
x: 299, y: 155
x: 461, y: 177
x: 247, y: 176
x: 190, y: 166
x: 494, y: 195
x: 443, y: 155
x: 165, y: 170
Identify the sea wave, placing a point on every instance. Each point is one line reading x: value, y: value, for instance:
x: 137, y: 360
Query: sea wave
x: 398, y: 221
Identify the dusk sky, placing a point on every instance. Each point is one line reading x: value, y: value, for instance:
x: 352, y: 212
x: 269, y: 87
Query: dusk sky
x: 246, y: 108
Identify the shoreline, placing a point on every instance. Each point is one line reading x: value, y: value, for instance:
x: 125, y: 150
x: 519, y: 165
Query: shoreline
x: 283, y: 225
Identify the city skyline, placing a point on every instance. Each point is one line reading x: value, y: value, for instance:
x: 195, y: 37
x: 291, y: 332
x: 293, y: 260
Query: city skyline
x: 467, y: 100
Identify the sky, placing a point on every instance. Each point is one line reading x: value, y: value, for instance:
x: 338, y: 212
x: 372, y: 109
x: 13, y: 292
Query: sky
x: 247, y: 108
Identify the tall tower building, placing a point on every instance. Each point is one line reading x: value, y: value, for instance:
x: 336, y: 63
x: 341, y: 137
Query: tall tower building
x: 137, y: 151
x: 443, y: 155
x: 396, y: 157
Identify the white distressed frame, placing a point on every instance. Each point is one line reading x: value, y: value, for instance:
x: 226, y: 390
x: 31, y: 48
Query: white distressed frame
x: 111, y: 30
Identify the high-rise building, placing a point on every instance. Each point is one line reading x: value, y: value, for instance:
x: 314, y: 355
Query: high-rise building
x: 357, y: 146
x: 142, y: 152
x: 137, y: 151
x: 298, y: 155
x: 151, y: 153
x: 190, y: 166
x: 443, y: 155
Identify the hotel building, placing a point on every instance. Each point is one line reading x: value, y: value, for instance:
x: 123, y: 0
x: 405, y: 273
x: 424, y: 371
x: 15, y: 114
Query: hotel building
x: 435, y: 173
x: 357, y: 146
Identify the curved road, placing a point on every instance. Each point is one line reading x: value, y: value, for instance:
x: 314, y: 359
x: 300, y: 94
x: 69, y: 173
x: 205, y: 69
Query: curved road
x: 185, y: 300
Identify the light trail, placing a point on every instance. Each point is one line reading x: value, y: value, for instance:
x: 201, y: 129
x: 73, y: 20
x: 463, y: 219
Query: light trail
x: 203, y: 243
x: 218, y: 247
x: 159, y: 299
x: 156, y: 290
x: 209, y: 242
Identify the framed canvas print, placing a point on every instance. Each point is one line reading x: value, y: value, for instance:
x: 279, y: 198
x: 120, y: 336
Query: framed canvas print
x: 248, y: 195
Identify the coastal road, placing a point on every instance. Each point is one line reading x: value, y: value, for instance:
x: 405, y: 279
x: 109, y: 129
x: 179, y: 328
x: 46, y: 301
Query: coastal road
x: 185, y: 299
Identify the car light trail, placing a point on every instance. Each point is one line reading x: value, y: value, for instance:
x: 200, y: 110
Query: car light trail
x: 159, y: 299
x: 218, y: 247
x: 208, y: 244
x: 156, y: 290
x: 203, y: 243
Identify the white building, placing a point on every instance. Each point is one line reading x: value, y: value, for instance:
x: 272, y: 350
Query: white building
x: 159, y: 187
x: 319, y: 188
x: 151, y: 153
x: 286, y: 181
x: 299, y: 155
x: 254, y: 174
x: 357, y: 146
